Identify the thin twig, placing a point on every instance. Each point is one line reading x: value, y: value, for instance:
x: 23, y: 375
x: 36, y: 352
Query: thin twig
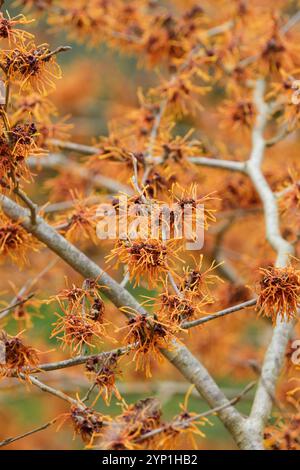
x: 283, y: 132
x: 78, y: 360
x: 291, y: 22
x: 203, y: 161
x: 10, y: 440
x: 29, y: 203
x: 5, y: 310
x: 220, y: 314
x: 74, y: 147
x: 28, y: 285
x: 227, y: 271
x: 88, y: 393
x: 125, y: 279
x: 217, y: 163
x: 57, y: 51
x: 174, y: 285
x: 48, y: 389
x: 57, y: 161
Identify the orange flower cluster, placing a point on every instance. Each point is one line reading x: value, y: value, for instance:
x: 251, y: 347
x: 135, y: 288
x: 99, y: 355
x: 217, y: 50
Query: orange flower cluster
x: 284, y: 435
x: 148, y: 258
x: 33, y: 67
x: 279, y: 294
x: 16, y: 357
x: 82, y: 320
x: 86, y: 422
x: 197, y: 282
x: 140, y: 426
x: 29, y: 72
x: 146, y: 335
x: 136, y: 420
x: 80, y: 223
x: 9, y: 30
x: 15, y: 242
x: 103, y: 373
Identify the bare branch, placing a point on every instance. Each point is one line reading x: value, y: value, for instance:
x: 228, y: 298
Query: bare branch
x: 28, y: 202
x: 7, y: 309
x: 254, y: 170
x: 275, y: 354
x: 220, y: 314
x: 78, y: 360
x: 217, y: 163
x: 155, y: 127
x: 282, y: 133
x: 291, y: 22
x: 10, y: 440
x: 74, y: 147
x: 204, y: 161
x: 227, y: 271
x: 99, y: 181
x: 220, y: 29
x: 57, y: 51
x: 51, y: 390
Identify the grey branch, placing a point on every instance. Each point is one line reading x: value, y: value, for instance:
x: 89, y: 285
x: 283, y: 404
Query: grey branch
x: 204, y: 161
x: 46, y: 388
x: 220, y: 314
x: 57, y: 160
x: 217, y: 163
x: 12, y: 306
x: 10, y: 440
x: 275, y: 354
x: 78, y: 360
x: 74, y: 147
